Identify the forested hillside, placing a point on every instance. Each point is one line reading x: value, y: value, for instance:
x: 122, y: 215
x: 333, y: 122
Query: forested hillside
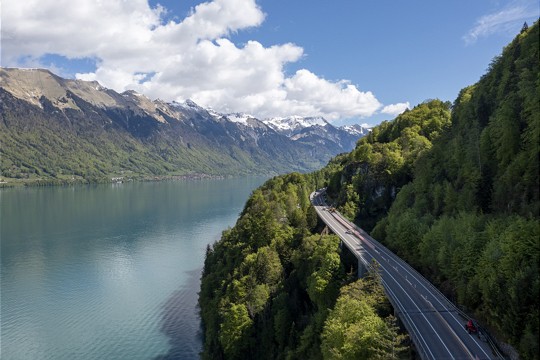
x: 271, y: 287
x: 453, y: 189
x: 384, y: 161
x: 469, y: 220
x: 55, y: 130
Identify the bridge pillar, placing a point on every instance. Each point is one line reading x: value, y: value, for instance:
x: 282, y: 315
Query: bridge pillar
x: 325, y: 231
x: 361, y: 269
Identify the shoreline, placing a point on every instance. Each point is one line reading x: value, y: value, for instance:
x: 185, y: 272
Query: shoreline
x: 112, y: 180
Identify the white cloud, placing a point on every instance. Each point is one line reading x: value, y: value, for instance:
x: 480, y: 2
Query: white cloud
x: 332, y: 99
x: 507, y: 20
x: 191, y: 58
x: 395, y: 109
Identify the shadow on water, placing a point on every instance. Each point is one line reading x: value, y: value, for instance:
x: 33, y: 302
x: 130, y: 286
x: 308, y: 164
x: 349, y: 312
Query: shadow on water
x: 181, y: 322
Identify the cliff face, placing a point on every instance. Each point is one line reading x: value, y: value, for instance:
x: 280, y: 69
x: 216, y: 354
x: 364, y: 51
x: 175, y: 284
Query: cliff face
x: 384, y: 161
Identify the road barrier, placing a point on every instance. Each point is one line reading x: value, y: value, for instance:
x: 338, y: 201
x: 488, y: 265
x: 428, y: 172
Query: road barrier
x: 366, y: 240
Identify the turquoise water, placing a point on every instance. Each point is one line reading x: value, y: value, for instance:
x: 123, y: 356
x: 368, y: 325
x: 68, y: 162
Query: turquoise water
x: 109, y: 271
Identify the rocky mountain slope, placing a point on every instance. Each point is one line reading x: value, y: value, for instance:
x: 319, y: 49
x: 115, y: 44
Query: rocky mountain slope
x: 317, y: 132
x: 55, y: 129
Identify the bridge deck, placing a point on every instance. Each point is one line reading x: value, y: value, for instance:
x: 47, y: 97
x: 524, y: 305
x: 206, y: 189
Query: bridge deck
x: 434, y: 323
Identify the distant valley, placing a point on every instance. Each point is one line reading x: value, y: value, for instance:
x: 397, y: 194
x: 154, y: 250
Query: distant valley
x: 56, y: 130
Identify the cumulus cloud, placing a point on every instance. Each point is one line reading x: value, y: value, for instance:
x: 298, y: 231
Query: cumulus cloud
x: 135, y: 48
x: 395, y: 109
x: 506, y: 20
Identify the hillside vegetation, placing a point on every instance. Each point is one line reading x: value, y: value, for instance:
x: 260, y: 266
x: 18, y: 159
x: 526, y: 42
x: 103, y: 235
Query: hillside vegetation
x: 55, y: 130
x: 469, y: 218
x: 91, y: 143
x: 271, y: 287
x: 384, y: 161
x: 452, y: 188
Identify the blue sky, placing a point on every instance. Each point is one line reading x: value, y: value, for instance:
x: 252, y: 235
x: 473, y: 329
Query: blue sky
x: 348, y: 60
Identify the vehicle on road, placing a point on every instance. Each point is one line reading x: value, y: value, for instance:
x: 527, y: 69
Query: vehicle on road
x: 471, y: 327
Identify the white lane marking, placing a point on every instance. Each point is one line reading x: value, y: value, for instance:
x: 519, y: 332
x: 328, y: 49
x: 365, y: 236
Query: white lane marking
x: 443, y: 322
x: 412, y: 301
x: 425, y: 346
x: 418, y: 279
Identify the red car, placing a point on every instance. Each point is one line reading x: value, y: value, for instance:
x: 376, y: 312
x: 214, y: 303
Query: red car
x: 471, y: 328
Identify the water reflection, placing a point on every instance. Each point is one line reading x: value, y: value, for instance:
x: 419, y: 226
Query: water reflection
x: 180, y: 321
x: 109, y: 272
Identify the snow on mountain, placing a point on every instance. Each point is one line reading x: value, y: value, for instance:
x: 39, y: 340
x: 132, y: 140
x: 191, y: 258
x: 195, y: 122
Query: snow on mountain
x: 292, y: 124
x: 296, y: 128
x: 188, y: 104
x: 239, y: 118
x: 293, y: 127
x: 356, y: 130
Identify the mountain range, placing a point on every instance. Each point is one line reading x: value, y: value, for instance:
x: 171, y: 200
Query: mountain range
x: 59, y: 130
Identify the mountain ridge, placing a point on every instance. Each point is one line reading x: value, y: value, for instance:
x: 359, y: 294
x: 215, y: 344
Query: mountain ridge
x: 103, y: 134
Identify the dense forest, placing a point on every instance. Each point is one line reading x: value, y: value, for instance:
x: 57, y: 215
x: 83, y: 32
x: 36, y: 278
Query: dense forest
x: 451, y: 188
x: 470, y: 217
x: 271, y: 287
x: 384, y: 161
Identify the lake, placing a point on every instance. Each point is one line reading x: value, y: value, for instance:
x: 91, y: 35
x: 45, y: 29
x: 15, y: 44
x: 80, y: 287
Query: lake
x: 109, y: 271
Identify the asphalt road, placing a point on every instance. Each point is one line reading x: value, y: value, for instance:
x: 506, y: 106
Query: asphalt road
x: 433, y: 322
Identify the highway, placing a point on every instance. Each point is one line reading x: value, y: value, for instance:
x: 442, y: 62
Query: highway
x: 434, y: 324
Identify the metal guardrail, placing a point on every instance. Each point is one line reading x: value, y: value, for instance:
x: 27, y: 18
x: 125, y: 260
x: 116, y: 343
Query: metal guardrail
x: 488, y: 337
x: 395, y: 302
x: 405, y: 318
x: 409, y: 326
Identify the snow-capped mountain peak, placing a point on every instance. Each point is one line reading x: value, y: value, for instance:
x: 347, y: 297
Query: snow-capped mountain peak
x: 188, y: 104
x: 239, y: 118
x: 293, y: 124
x: 356, y: 130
